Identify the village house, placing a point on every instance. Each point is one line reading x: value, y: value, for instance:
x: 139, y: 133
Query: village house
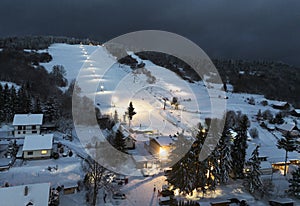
x: 38, y: 146
x: 129, y: 139
x: 31, y: 194
x: 26, y: 124
x: 161, y: 145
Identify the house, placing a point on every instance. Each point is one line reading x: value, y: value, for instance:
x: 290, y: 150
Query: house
x: 287, y: 127
x: 161, y: 145
x: 129, y: 139
x: 31, y: 194
x: 281, y: 105
x: 26, y: 124
x: 6, y: 131
x: 38, y: 146
x: 295, y: 112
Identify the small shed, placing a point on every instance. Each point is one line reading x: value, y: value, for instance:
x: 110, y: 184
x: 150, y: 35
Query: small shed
x: 70, y: 188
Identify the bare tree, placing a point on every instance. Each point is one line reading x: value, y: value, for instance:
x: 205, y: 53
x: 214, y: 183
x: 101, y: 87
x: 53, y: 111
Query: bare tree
x: 95, y: 179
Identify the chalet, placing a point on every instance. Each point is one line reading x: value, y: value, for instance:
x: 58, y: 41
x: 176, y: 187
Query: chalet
x: 31, y: 194
x: 287, y: 127
x: 38, y: 146
x: 281, y: 105
x: 27, y: 124
x: 129, y: 139
x: 161, y: 145
x: 295, y: 112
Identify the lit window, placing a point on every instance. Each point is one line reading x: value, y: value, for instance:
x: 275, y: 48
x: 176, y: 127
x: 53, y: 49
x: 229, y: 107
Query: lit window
x: 43, y: 152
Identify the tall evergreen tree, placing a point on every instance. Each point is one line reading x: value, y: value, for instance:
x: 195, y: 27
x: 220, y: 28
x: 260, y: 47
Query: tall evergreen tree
x: 289, y: 145
x: 119, y: 141
x: 131, y: 112
x: 189, y: 173
x: 254, y: 182
x: 50, y: 110
x: 294, y: 187
x: 225, y: 161
x: 239, y: 147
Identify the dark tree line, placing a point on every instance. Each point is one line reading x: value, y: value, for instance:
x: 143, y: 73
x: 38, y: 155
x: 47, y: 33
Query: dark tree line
x: 21, y: 101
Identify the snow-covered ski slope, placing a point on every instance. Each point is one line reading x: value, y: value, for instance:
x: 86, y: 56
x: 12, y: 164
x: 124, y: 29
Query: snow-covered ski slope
x: 146, y: 88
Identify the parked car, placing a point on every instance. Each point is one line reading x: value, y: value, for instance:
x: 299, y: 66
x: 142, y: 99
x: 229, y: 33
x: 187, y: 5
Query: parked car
x: 119, y: 196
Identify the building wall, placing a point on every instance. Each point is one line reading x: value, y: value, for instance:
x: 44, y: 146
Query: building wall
x: 154, y: 146
x: 27, y: 130
x: 36, y: 154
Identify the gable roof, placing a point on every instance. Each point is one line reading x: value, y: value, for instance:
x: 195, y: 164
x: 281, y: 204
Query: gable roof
x: 164, y: 140
x: 38, y: 194
x: 28, y: 119
x: 287, y: 126
x: 38, y: 142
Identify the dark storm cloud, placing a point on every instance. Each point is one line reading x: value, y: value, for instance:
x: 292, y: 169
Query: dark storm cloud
x: 254, y: 29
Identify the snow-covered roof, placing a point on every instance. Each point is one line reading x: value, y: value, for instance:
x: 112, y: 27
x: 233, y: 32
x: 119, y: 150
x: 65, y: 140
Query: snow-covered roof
x: 265, y: 165
x: 28, y: 119
x: 287, y: 126
x: 139, y: 158
x: 297, y: 111
x: 6, y: 128
x: 38, y: 194
x: 38, y: 142
x: 164, y: 140
x: 279, y: 103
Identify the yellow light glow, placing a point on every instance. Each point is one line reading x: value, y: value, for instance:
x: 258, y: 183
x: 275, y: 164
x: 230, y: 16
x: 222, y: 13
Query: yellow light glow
x: 44, y: 152
x: 163, y: 153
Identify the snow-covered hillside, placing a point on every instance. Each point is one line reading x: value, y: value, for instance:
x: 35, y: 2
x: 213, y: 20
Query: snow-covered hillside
x: 118, y: 85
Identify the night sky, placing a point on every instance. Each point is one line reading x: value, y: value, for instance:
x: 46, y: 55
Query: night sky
x: 256, y: 29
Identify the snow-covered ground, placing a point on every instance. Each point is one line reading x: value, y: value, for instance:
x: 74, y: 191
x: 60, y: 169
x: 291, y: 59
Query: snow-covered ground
x: 117, y: 85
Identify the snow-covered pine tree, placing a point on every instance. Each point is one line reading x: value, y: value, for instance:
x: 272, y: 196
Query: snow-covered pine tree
x: 239, y: 147
x: 14, y: 101
x: 294, y: 187
x: 189, y: 173
x: 119, y: 141
x: 289, y: 145
x: 254, y: 182
x: 225, y: 161
x: 50, y: 110
x: 181, y: 146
